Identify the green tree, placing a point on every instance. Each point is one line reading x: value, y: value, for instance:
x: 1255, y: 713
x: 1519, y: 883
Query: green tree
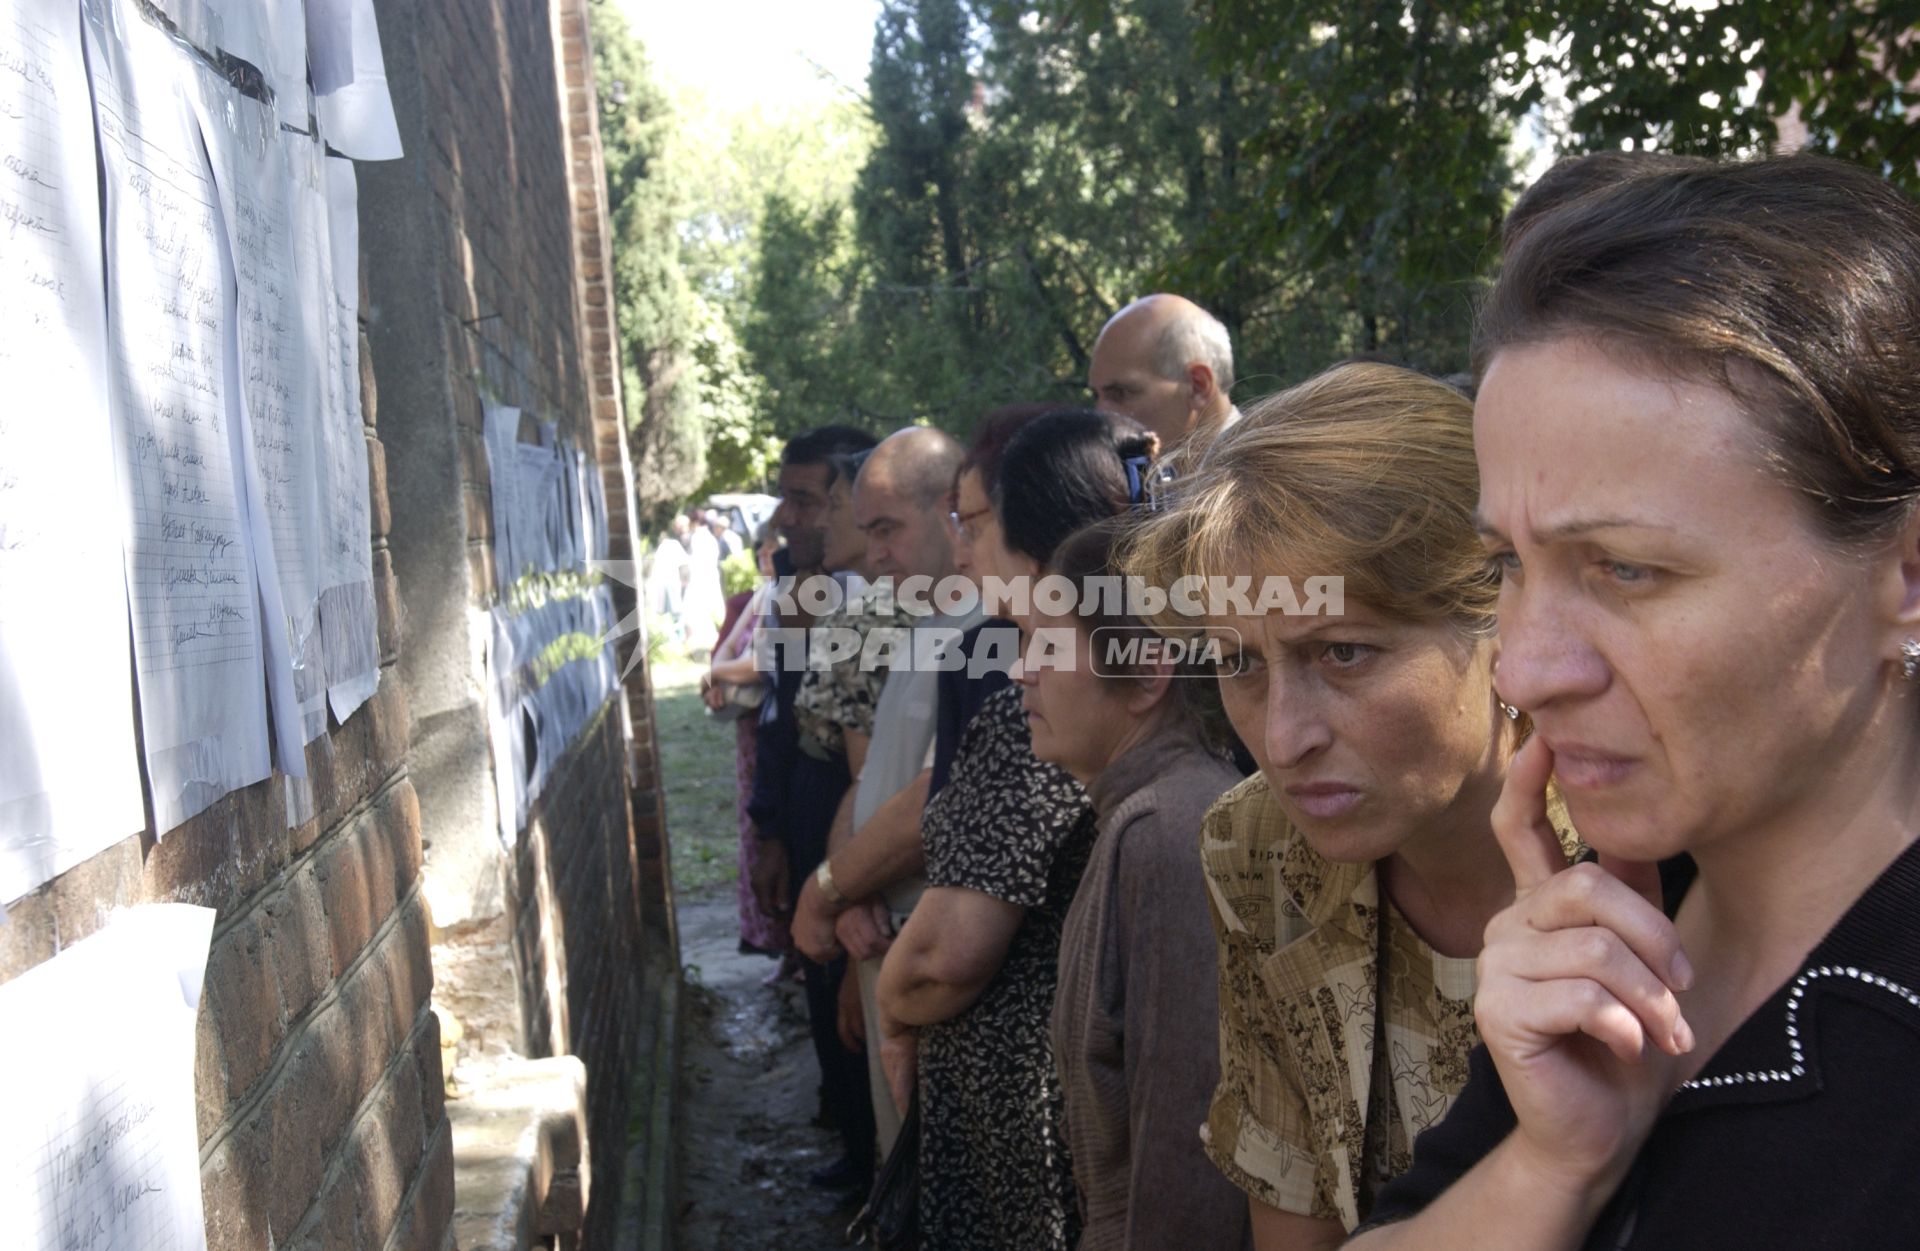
x: 1026, y: 179
x: 655, y: 306
x: 1718, y: 80
x: 799, y: 331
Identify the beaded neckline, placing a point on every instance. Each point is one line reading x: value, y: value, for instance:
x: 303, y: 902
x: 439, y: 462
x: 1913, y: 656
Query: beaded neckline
x: 1797, y: 1054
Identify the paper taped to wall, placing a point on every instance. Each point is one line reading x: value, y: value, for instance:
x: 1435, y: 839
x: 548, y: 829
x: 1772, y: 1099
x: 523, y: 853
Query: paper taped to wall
x: 100, y: 1148
x: 188, y: 546
x: 69, y: 785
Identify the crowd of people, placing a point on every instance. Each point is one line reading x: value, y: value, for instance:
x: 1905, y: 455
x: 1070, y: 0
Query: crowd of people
x: 1552, y: 885
x: 684, y: 583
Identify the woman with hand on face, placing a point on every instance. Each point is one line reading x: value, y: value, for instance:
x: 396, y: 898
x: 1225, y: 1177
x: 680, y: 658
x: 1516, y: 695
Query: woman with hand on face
x: 1699, y: 440
x: 1135, y: 1016
x: 968, y: 985
x: 1351, y: 878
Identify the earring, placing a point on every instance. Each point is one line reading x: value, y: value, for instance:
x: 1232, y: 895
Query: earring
x: 1910, y: 659
x: 1513, y: 714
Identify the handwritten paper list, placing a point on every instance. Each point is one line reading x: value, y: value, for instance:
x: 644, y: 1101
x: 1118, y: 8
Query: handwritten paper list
x: 100, y: 1151
x: 189, y: 564
x: 69, y: 785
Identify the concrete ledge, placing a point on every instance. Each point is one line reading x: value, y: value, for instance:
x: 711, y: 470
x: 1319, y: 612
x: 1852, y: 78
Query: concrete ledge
x: 519, y: 1153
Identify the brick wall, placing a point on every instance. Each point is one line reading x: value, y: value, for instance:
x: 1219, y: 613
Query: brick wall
x: 319, y: 1080
x: 317, y: 1067
x: 595, y: 259
x: 487, y: 252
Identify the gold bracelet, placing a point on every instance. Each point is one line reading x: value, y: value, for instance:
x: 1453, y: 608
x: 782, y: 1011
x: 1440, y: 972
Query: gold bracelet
x: 823, y: 878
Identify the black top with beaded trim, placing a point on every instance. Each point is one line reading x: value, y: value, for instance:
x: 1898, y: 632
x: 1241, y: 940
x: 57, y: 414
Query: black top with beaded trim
x: 1802, y: 1131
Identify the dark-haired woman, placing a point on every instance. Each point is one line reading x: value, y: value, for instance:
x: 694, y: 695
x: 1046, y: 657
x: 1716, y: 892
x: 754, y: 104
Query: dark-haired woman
x: 1698, y: 431
x: 1135, y: 1019
x: 973, y: 972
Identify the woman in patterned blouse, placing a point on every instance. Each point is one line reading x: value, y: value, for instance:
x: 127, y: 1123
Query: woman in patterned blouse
x: 1351, y: 878
x: 971, y: 976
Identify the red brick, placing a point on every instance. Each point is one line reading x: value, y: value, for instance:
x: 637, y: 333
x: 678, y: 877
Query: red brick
x: 244, y: 992
x: 368, y: 1020
x: 473, y: 457
x: 307, y: 1114
x: 209, y: 1072
x: 382, y: 514
x: 408, y: 966
x: 227, y: 852
x: 407, y: 1130
x: 433, y: 1079
x: 386, y: 715
x: 480, y: 574
x: 402, y: 827
x: 341, y: 870
x: 387, y: 607
x: 358, y: 1209
x: 376, y: 857
x: 37, y: 924
x: 296, y: 926
x: 423, y: 1223
x: 479, y: 506
x: 236, y: 1183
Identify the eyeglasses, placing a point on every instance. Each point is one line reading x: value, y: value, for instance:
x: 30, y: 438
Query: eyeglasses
x: 962, y: 523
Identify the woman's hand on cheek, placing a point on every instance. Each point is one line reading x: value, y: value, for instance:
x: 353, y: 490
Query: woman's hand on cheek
x: 1577, y: 993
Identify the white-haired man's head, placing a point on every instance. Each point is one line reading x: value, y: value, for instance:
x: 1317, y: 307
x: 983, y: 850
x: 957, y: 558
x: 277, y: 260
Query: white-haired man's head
x: 1165, y: 362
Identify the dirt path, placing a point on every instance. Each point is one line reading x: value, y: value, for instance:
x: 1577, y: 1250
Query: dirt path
x: 744, y: 1127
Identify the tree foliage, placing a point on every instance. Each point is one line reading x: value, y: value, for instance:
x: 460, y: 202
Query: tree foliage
x: 1718, y: 79
x: 1328, y: 177
x: 1027, y: 178
x: 655, y: 307
x: 686, y: 187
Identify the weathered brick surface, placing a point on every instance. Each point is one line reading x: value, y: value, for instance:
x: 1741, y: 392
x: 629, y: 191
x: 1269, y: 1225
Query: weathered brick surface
x: 386, y: 599
x: 243, y: 991
x: 321, y: 1106
x: 296, y: 927
x: 577, y: 853
x: 382, y: 514
x: 425, y: 1222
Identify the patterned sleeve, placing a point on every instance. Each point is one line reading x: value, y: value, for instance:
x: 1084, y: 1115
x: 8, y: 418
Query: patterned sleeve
x: 1010, y: 811
x: 837, y: 695
x: 1257, y: 1130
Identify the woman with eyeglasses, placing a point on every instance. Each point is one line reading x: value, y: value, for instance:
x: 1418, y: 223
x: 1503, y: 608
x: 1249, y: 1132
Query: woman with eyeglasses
x: 1698, y: 431
x: 967, y: 989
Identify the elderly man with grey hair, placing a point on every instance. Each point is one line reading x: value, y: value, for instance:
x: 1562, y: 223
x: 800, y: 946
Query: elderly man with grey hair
x: 1168, y: 364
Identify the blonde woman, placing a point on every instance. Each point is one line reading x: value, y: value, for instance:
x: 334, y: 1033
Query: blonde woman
x: 1350, y: 880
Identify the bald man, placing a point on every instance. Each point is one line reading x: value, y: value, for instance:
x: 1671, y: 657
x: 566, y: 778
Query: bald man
x: 1167, y: 363
x: 872, y: 877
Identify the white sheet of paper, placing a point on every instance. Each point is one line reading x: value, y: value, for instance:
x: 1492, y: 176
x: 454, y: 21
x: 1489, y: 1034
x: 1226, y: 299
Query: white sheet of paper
x: 180, y: 460
x: 329, y: 44
x: 99, y: 1148
x: 347, y: 610
x: 278, y: 392
x: 69, y: 774
x: 357, y: 117
x: 271, y: 35
x: 501, y: 433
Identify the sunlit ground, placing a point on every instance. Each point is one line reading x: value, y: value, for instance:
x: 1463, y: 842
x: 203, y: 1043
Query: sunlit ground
x: 696, y: 761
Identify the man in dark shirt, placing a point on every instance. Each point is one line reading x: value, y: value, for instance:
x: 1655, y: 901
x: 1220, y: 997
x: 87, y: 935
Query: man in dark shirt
x: 795, y: 794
